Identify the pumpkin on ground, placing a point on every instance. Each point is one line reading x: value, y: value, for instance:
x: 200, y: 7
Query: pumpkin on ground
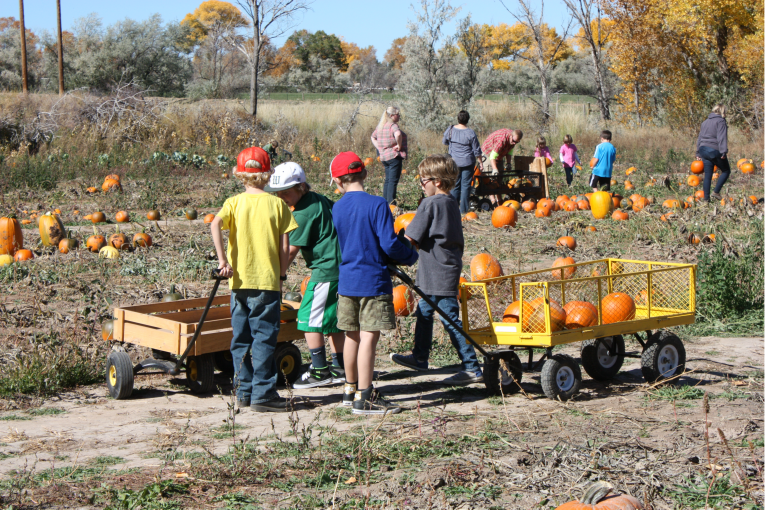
x: 483, y: 266
x: 172, y: 295
x: 567, y: 242
x: 470, y: 216
x: 545, y: 202
x: 122, y: 217
x: 616, y: 199
x: 190, y: 213
x: 108, y: 252
x: 563, y: 274
x: 209, y: 218
x: 626, y: 204
x: 95, y: 242
x: 620, y: 216
x: 513, y: 203
x: 593, y: 162
x: 543, y: 212
x: 11, y: 237
x: 747, y: 168
x: 617, y: 307
x: 639, y: 204
x: 6, y: 260
x: 591, y: 228
x: 68, y: 244
x: 97, y: 217
x: 583, y: 205
x: 153, y: 215
x: 142, y: 239
x: 118, y: 240
x: 403, y: 301
x: 693, y: 181
x: 580, y: 314
x: 570, y: 206
x: 699, y: 195
x: 368, y: 161
x: 504, y: 217
x: 601, y: 205
x: 596, y: 497
x: 628, y: 186
x: 52, y: 230
x: 671, y: 203
x: 402, y: 222
x: 23, y: 254
x: 529, y: 205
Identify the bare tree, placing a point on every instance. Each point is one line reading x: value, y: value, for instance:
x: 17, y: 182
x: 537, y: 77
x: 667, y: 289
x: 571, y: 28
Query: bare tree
x: 539, y: 55
x: 24, y: 81
x: 270, y: 19
x: 582, y: 11
x: 60, y: 50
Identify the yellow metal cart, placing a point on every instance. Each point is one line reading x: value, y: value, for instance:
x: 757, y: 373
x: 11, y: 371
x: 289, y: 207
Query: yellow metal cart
x: 664, y: 295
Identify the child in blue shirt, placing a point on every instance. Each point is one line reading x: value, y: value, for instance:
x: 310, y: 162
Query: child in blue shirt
x: 364, y: 227
x: 604, y: 157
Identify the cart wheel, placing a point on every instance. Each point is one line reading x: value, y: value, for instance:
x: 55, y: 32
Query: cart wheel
x: 200, y: 371
x: 485, y: 205
x: 502, y: 374
x: 597, y: 362
x: 224, y: 363
x: 162, y: 355
x: 119, y: 375
x: 561, y: 377
x: 288, y: 361
x: 663, y: 356
x: 473, y: 203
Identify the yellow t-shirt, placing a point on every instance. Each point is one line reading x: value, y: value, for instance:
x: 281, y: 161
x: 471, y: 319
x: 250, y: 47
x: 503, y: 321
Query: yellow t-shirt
x: 255, y: 222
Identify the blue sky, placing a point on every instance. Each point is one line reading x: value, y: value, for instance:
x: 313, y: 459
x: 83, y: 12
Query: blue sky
x: 364, y: 22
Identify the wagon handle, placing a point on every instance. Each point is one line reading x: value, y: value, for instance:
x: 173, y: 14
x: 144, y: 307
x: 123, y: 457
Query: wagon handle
x: 408, y: 281
x: 178, y: 364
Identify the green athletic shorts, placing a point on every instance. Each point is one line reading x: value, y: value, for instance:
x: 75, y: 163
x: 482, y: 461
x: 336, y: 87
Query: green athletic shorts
x: 318, y: 310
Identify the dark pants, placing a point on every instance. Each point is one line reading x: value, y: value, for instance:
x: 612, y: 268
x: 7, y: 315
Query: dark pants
x: 255, y: 322
x: 423, y: 332
x: 569, y: 174
x: 461, y: 190
x: 602, y: 183
x: 712, y: 157
x: 392, y: 175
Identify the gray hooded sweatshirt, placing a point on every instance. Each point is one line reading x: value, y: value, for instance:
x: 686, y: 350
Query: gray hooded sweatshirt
x: 713, y: 134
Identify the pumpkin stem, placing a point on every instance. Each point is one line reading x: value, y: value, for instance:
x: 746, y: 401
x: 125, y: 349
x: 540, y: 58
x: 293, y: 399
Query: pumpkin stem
x: 596, y: 492
x: 172, y: 288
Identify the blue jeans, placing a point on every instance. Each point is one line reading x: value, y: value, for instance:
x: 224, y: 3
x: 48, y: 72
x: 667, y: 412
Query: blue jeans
x: 255, y: 318
x: 423, y: 332
x: 712, y: 157
x: 392, y: 175
x: 461, y: 190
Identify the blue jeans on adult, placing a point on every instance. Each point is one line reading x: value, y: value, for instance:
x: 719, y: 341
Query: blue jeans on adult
x: 712, y: 157
x: 461, y: 190
x: 423, y: 332
x: 255, y: 318
x: 392, y: 175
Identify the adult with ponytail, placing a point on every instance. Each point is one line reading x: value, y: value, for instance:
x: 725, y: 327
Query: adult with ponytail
x: 390, y: 142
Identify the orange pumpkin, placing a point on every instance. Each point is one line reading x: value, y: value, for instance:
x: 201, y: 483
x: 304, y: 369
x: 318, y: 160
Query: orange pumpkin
x: 567, y: 242
x: 528, y: 205
x: 620, y: 216
x: 617, y: 307
x: 513, y: 311
x: 593, y: 162
x: 583, y: 205
x: 11, y: 237
x: 503, y: 217
x: 471, y: 216
x: 483, y: 266
x: 513, y: 203
x: 545, y: 202
x: 542, y: 212
x: 95, y: 242
x: 23, y: 254
x: 693, y: 181
x: 209, y: 218
x: 614, y: 182
x: 562, y: 199
x: 403, y: 301
x: 580, y: 314
x: 368, y: 161
x: 142, y: 239
x: 747, y: 168
x: 631, y: 170
x: 753, y: 200
x: 153, y: 215
x: 628, y: 186
x: 697, y: 167
x: 563, y: 274
x: 92, y: 189
x: 671, y: 203
x: 111, y: 185
x: 666, y: 217
x: 596, y: 497
x: 699, y: 195
x: 122, y: 217
x: 591, y: 228
x: 113, y: 177
x: 402, y: 222
x: 68, y: 244
x: 639, y: 204
x: 98, y: 217
x: 119, y: 241
x: 570, y: 206
x: 616, y: 200
x: 625, y: 204
x: 534, y: 322
x: 304, y: 284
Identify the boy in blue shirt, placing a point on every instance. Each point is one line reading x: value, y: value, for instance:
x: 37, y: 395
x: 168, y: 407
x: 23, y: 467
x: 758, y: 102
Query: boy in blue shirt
x: 364, y: 227
x: 604, y: 157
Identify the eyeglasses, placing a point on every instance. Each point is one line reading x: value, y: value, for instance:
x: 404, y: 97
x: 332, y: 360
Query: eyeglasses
x: 423, y: 181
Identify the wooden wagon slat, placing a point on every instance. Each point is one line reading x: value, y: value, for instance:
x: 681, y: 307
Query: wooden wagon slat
x: 160, y: 339
x: 170, y: 306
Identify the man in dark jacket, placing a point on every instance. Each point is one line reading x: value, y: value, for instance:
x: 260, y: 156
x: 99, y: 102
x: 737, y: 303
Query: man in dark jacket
x: 712, y: 149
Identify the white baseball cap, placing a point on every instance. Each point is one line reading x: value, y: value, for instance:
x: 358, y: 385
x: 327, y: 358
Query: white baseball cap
x: 285, y: 176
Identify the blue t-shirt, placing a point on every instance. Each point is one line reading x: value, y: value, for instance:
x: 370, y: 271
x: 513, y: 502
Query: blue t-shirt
x: 364, y: 227
x: 605, y: 154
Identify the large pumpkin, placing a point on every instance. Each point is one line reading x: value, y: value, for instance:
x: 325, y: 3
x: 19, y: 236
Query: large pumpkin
x: 697, y: 167
x: 601, y: 205
x: 484, y: 266
x: 402, y: 222
x: 580, y: 314
x: 504, y: 217
x: 596, y: 497
x: 747, y: 168
x: 566, y: 273
x: 51, y: 229
x: 11, y: 237
x: 534, y: 322
x: 617, y: 307
x: 513, y: 311
x: 111, y: 185
x: 403, y: 301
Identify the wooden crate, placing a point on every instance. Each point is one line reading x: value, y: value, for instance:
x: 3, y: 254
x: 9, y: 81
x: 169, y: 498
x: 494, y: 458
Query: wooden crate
x: 169, y: 326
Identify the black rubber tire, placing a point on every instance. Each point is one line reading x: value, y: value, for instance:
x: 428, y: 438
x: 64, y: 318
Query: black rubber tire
x: 596, y: 361
x: 485, y: 205
x: 561, y: 377
x: 119, y: 375
x: 288, y: 362
x: 224, y: 363
x: 200, y: 373
x: 163, y: 355
x: 502, y: 374
x: 663, y: 356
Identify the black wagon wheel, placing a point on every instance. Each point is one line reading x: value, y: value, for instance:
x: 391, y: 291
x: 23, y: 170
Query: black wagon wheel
x: 561, y: 377
x: 602, y: 358
x: 200, y: 373
x: 288, y: 362
x: 663, y: 356
x: 502, y: 373
x: 224, y: 363
x: 119, y: 375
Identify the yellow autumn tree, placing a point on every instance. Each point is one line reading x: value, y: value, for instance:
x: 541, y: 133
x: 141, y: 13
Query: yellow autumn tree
x: 516, y: 41
x: 353, y: 52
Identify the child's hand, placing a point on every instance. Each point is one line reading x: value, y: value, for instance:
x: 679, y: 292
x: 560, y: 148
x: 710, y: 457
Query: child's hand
x: 414, y: 243
x: 225, y: 270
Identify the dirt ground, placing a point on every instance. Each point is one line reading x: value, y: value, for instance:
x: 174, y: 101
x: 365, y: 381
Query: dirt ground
x: 163, y: 416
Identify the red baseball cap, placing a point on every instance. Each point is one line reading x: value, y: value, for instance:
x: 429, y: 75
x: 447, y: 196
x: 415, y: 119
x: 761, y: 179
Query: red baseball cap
x: 253, y: 154
x: 341, y: 164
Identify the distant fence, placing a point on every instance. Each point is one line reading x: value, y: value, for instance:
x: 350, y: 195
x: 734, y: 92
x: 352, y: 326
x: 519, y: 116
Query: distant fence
x: 392, y: 96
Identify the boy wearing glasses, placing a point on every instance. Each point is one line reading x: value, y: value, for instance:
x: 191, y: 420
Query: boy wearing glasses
x: 436, y: 231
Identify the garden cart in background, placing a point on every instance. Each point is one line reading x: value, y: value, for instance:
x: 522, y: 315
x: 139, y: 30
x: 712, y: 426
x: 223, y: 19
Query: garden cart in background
x: 527, y: 179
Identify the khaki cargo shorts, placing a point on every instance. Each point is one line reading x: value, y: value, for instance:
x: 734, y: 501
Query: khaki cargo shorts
x: 374, y: 313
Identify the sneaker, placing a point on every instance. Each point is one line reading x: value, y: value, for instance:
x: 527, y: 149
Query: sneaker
x: 716, y: 195
x: 408, y: 361
x: 314, y: 378
x: 242, y: 401
x: 338, y: 374
x: 275, y: 405
x: 464, y: 378
x: 349, y: 392
x: 371, y: 402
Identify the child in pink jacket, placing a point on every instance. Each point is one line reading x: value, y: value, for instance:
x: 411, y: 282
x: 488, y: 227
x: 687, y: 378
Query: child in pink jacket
x: 569, y: 158
x: 542, y: 151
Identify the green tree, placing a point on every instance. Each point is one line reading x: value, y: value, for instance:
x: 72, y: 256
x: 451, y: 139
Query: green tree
x: 318, y: 44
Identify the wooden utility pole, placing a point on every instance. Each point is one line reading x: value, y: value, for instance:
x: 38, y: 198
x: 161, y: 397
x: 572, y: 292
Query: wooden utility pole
x: 60, y: 52
x: 24, y: 83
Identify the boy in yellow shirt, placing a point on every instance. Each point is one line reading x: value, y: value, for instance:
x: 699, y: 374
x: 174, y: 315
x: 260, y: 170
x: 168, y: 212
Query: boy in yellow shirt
x: 256, y: 264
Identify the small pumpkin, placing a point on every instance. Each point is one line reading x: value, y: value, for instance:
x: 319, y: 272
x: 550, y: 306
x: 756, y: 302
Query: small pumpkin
x: 617, y: 307
x: 567, y: 242
x: 402, y: 222
x: 190, y: 213
x: 293, y: 296
x: 625, y: 204
x: 114, y: 177
x: 620, y: 216
x: 534, y: 322
x: 631, y: 170
x: 52, y: 230
x: 699, y: 195
x: 593, y: 162
x: 694, y: 238
x: 616, y: 200
x: 542, y: 212
x: 596, y: 497
x: 68, y: 244
x: 504, y: 217
x: 92, y: 189
x: 591, y: 228
x: 529, y: 205
x: 142, y: 239
x: 570, y: 206
x: 628, y: 186
x: 108, y: 252
x: 747, y: 168
x: 23, y: 254
x: 470, y: 216
x: 693, y: 181
x: 368, y: 161
x: 583, y: 205
x: 697, y: 167
x: 98, y: 217
x: 403, y: 301
x: 11, y: 237
x: 483, y: 266
x: 172, y: 295
x: 107, y: 330
x: 514, y: 204
x: 122, y: 217
x: 119, y: 241
x: 614, y: 182
x: 153, y: 215
x: 671, y: 203
x: 6, y: 260
x: 95, y: 242
x: 209, y: 218
x: 563, y: 274
x: 111, y: 185
x: 580, y: 314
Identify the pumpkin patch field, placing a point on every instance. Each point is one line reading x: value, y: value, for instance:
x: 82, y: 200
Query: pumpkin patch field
x: 133, y: 228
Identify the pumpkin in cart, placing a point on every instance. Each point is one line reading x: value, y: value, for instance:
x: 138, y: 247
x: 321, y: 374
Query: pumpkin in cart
x: 617, y: 307
x: 513, y: 311
x: 580, y: 314
x: 483, y: 266
x: 11, y: 237
x: 52, y: 230
x: 596, y: 497
x: 402, y: 222
x: 403, y: 301
x: 534, y: 322
x: 563, y: 274
x: 504, y: 217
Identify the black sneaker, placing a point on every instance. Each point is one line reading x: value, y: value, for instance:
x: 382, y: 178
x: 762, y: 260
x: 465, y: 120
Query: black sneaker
x: 370, y: 401
x: 314, y: 378
x: 276, y: 405
x: 338, y: 374
x: 349, y: 393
